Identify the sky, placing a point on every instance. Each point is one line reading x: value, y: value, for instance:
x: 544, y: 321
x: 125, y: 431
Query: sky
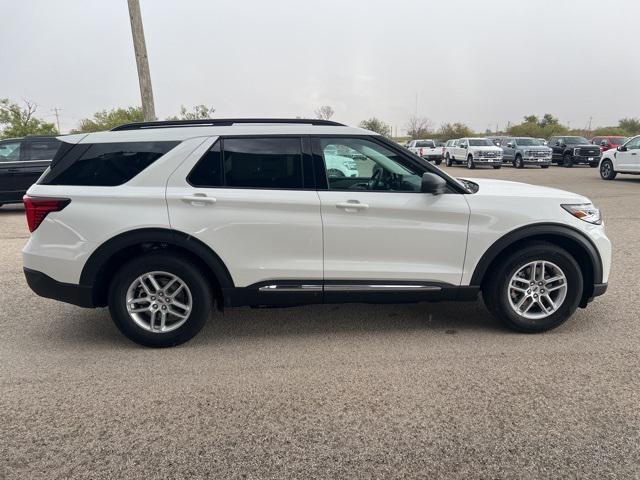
x: 483, y: 63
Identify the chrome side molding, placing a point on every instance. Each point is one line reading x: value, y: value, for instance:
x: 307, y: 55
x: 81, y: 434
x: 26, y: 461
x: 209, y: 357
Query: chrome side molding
x: 387, y: 288
x: 291, y: 288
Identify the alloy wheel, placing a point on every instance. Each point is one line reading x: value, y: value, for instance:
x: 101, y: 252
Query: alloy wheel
x: 537, y: 290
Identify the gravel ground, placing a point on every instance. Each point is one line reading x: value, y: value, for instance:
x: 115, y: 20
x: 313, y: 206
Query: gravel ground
x: 348, y: 391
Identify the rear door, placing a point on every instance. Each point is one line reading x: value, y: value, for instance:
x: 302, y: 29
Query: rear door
x: 36, y: 157
x: 252, y: 200
x: 10, y: 154
x: 381, y: 234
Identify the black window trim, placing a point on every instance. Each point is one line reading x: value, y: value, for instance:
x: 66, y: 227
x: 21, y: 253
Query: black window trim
x: 309, y: 184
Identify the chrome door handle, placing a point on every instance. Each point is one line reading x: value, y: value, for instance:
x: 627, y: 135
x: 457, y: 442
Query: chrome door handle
x: 198, y: 200
x: 352, y: 206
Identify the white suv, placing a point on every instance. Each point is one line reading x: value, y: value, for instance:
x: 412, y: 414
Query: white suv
x: 622, y: 159
x: 162, y: 220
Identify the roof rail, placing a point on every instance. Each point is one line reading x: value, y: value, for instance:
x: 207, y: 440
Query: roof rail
x: 219, y: 122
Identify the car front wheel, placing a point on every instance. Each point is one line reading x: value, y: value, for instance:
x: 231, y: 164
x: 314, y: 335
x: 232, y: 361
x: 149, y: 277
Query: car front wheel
x: 447, y: 161
x: 535, y: 288
x: 470, y: 164
x: 159, y: 300
x: 567, y: 161
x: 606, y: 170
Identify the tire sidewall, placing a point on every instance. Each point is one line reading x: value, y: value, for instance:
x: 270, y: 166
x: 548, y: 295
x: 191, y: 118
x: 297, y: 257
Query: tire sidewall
x: 188, y: 273
x: 504, y: 274
x: 611, y: 175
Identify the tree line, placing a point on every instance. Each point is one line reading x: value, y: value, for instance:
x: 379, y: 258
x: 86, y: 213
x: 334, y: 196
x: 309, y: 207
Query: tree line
x: 20, y: 120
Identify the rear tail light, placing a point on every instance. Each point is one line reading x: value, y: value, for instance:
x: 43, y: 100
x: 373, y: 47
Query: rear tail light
x: 37, y: 208
x: 421, y: 150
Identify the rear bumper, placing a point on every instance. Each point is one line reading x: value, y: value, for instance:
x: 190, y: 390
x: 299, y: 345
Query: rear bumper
x: 45, y: 286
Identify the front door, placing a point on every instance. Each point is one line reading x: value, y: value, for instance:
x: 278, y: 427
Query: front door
x: 378, y: 227
x: 629, y: 160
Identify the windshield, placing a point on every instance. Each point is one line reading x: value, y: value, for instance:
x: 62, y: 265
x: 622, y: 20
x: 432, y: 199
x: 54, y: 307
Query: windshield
x: 575, y: 140
x: 617, y: 140
x: 527, y: 142
x: 428, y: 143
x: 480, y: 142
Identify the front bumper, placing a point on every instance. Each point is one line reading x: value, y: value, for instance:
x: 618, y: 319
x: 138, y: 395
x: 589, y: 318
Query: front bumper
x: 537, y: 160
x: 587, y: 160
x: 45, y: 286
x: 488, y: 161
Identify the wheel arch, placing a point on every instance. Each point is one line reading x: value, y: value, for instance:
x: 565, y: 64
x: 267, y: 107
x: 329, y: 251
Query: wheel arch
x: 569, y: 238
x: 107, y: 258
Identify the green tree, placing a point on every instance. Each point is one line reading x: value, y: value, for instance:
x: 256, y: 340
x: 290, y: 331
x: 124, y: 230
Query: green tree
x: 17, y: 121
x: 530, y: 119
x: 448, y: 131
x: 419, y: 127
x: 604, y: 131
x: 107, y: 119
x: 197, y: 112
x: 535, y: 127
x: 630, y: 125
x: 376, y: 125
x: 548, y: 119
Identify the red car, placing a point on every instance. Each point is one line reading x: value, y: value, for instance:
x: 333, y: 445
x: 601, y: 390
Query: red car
x: 608, y: 141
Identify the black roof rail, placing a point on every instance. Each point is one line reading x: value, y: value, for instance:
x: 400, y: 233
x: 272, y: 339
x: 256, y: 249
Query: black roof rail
x: 220, y: 122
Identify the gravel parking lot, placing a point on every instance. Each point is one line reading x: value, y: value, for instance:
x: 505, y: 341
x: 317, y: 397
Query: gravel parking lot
x: 348, y: 391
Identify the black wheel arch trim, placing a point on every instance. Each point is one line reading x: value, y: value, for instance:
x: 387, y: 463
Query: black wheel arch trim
x: 538, y: 229
x: 99, y: 258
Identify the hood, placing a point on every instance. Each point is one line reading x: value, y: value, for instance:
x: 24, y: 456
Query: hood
x: 486, y: 148
x: 503, y: 188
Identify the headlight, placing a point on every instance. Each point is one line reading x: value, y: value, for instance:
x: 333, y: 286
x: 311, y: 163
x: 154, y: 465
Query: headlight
x: 585, y: 211
x: 527, y: 153
x: 576, y: 151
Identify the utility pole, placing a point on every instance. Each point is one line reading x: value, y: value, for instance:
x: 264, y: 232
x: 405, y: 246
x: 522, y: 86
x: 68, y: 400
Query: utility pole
x: 55, y: 111
x: 142, y: 62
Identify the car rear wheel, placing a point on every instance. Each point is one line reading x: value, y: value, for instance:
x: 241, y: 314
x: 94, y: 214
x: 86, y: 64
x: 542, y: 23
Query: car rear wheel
x: 159, y: 300
x: 438, y: 162
x: 535, y: 288
x: 606, y: 170
x: 447, y: 161
x: 470, y: 164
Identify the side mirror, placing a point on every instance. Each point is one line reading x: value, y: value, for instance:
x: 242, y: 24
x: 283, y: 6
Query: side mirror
x: 622, y: 148
x: 432, y: 183
x: 604, y: 143
x: 510, y: 145
x: 463, y: 146
x: 558, y: 143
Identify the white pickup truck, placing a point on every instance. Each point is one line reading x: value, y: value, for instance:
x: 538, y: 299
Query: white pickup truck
x: 427, y: 149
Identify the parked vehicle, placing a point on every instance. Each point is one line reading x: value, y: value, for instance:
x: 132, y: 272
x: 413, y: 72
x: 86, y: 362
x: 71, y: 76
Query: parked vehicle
x: 474, y: 152
x: 241, y: 212
x: 22, y: 161
x: 570, y: 150
x: 622, y: 159
x: 607, y: 142
x: 522, y: 151
x: 543, y: 141
x: 447, y: 150
x: 427, y: 149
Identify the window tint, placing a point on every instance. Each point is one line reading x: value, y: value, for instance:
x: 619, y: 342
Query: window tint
x: 633, y: 144
x: 425, y: 143
x: 208, y: 171
x: 109, y: 164
x: 42, y: 150
x: 9, y: 151
x: 365, y: 165
x: 262, y: 162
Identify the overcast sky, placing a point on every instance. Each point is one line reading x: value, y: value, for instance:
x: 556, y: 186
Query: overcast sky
x: 479, y: 62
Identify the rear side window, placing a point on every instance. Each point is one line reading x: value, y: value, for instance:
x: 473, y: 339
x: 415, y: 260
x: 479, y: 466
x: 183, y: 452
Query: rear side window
x: 42, y: 149
x: 251, y: 163
x: 106, y: 164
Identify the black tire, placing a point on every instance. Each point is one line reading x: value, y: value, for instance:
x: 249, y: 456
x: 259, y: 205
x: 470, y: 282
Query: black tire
x: 470, y: 164
x: 192, y: 277
x: 567, y: 160
x: 544, y: 166
x: 593, y: 164
x: 447, y: 161
x: 495, y: 286
x: 439, y: 161
x: 497, y: 167
x: 606, y: 170
x: 518, y: 163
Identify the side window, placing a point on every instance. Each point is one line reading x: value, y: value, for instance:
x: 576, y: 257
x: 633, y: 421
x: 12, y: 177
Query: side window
x: 108, y: 164
x: 208, y: 170
x: 262, y: 162
x: 42, y: 150
x: 360, y: 164
x: 9, y: 151
x: 634, y: 144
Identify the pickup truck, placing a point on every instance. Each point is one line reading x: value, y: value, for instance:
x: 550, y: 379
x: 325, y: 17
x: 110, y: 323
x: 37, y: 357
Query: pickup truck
x: 474, y: 152
x: 427, y: 149
x: 571, y: 150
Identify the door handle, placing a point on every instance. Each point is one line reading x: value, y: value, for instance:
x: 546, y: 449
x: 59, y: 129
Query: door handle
x: 198, y: 200
x: 352, y: 206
